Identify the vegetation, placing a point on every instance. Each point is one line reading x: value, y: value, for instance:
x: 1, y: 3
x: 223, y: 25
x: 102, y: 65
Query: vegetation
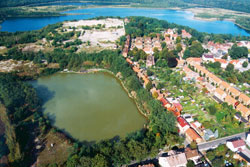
x: 229, y: 74
x: 237, y: 52
x: 221, y: 154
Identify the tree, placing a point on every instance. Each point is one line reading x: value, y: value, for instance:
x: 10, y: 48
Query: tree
x: 155, y: 95
x: 230, y: 67
x: 193, y: 145
x: 149, y: 86
x: 245, y: 64
x: 237, y: 52
x: 195, y: 50
x: 212, y: 109
x: 178, y: 47
x: 190, y: 163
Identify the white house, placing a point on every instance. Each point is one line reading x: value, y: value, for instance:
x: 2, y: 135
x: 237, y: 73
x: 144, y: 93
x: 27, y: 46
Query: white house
x: 175, y: 160
x: 236, y: 145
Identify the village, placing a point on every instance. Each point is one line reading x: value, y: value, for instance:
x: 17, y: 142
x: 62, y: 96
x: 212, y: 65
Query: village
x: 216, y: 89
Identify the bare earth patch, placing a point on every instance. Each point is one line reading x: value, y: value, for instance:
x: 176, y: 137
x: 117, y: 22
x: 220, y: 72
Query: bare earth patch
x: 57, y: 154
x: 109, y: 31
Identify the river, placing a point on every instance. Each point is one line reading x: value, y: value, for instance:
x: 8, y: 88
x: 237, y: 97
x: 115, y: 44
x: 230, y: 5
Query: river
x: 173, y: 16
x: 89, y: 106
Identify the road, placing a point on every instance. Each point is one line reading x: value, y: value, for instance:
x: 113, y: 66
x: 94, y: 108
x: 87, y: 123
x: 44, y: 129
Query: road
x: 217, y: 142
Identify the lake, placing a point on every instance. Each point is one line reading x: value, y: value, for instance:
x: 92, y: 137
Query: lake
x: 89, y: 106
x: 173, y: 16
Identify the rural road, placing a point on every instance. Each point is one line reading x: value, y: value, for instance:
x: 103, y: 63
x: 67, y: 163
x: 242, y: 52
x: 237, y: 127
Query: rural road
x: 217, y: 142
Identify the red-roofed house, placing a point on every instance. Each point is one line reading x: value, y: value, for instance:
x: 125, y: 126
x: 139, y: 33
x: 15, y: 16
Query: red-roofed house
x: 191, y: 135
x: 178, y: 107
x: 185, y: 34
x: 182, y: 124
x: 236, y: 145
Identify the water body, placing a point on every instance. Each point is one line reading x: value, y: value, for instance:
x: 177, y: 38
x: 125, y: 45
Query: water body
x: 89, y: 106
x: 173, y: 16
x: 78, y: 3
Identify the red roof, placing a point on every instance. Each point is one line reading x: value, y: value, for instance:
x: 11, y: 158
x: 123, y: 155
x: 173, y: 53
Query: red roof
x: 178, y: 106
x: 182, y: 122
x: 164, y: 101
x: 238, y: 143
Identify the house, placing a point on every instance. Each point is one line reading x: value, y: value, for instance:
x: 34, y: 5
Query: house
x: 244, y: 99
x: 182, y: 124
x: 245, y: 112
x: 197, y: 126
x: 191, y: 135
x: 174, y: 36
x: 236, y: 145
x: 148, y: 41
x: 185, y: 34
x: 207, y: 58
x: 150, y: 61
x: 230, y: 101
x: 223, y: 62
x: 236, y: 63
x: 224, y: 86
x: 175, y: 160
x: 165, y: 103
x: 214, y: 80
x: 148, y: 50
x: 139, y: 42
x: 188, y: 117
x: 233, y: 92
x: 168, y: 41
x: 220, y: 94
x: 193, y: 155
x: 178, y: 107
x: 248, y: 139
x: 193, y: 60
x: 157, y: 45
x: 208, y: 134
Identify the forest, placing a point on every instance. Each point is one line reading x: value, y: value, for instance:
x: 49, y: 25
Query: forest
x: 237, y: 5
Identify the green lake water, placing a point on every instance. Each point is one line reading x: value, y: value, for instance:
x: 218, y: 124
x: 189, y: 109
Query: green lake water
x: 89, y: 106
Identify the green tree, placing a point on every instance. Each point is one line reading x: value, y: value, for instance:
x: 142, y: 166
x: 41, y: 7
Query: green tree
x: 190, y: 163
x: 245, y: 64
x: 149, y: 86
x: 230, y: 67
x: 193, y: 145
x: 237, y: 52
x: 195, y: 50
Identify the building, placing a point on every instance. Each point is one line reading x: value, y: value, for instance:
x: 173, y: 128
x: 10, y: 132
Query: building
x: 185, y: 34
x: 191, y: 136
x: 178, y: 107
x: 236, y: 145
x: 230, y: 101
x: 139, y: 42
x: 223, y: 62
x: 233, y: 92
x: 214, y: 80
x: 224, y: 86
x: 244, y: 99
x: 220, y: 94
x: 245, y: 112
x: 182, y: 124
x: 193, y: 155
x: 207, y: 58
x: 174, y: 160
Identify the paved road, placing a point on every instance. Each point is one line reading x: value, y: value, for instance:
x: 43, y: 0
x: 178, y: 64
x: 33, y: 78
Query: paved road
x: 217, y: 142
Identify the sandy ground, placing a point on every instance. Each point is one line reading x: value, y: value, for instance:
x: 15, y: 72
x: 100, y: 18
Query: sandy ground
x: 217, y: 12
x: 104, y: 37
x: 13, y: 65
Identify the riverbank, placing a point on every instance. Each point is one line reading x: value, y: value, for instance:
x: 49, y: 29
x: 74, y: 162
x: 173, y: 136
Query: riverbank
x: 96, y: 70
